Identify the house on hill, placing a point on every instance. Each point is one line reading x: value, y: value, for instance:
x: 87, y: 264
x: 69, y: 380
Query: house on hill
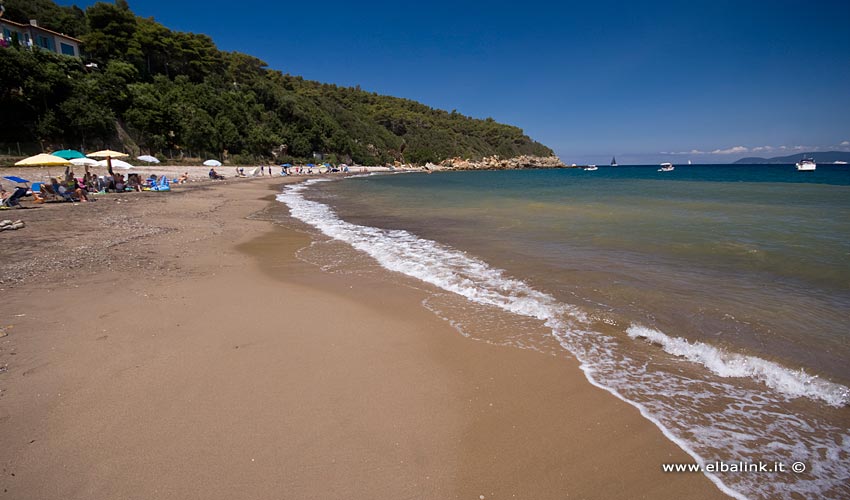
x: 32, y: 35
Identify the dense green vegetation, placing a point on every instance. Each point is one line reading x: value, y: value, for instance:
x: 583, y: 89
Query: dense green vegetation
x: 164, y: 92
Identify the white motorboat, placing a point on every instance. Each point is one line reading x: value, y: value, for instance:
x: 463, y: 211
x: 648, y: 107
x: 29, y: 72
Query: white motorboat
x: 666, y: 167
x: 806, y: 165
x: 591, y: 167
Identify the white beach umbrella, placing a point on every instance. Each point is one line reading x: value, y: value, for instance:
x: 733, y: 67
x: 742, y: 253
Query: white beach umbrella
x: 212, y: 163
x: 82, y: 162
x: 116, y: 164
x: 148, y: 158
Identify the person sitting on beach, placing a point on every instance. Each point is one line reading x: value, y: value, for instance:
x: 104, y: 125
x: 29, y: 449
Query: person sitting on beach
x: 78, y: 190
x: 91, y: 182
x: 134, y: 182
x: 105, y: 183
x: 63, y: 188
x: 215, y: 175
x: 120, y: 184
x: 183, y: 179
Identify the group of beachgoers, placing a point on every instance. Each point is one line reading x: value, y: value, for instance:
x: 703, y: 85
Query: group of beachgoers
x: 72, y: 188
x: 284, y: 171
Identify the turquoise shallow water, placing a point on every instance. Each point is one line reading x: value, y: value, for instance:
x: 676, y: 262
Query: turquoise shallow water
x: 713, y: 298
x: 754, y: 256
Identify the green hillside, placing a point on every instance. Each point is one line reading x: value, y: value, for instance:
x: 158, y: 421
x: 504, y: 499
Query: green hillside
x: 169, y: 93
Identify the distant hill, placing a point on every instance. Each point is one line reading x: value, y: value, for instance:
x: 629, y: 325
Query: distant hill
x: 824, y: 157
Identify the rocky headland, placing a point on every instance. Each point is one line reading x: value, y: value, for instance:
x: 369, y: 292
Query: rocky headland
x: 496, y: 163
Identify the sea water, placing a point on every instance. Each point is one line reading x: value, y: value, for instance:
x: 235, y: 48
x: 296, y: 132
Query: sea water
x: 713, y: 298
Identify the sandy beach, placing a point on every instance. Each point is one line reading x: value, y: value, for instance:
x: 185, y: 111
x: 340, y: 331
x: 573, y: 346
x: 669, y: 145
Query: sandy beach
x: 172, y: 346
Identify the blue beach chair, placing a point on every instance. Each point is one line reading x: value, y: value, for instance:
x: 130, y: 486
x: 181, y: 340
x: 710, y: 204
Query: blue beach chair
x: 14, y: 199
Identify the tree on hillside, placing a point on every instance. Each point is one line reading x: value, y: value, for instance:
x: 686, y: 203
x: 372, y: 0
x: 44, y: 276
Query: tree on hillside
x: 111, y: 30
x: 68, y: 20
x: 176, y: 91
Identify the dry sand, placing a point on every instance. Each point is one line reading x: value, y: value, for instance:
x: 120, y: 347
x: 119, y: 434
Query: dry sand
x: 171, y: 346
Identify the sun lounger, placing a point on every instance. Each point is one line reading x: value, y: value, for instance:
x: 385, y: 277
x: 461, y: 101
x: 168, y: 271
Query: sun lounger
x: 14, y: 199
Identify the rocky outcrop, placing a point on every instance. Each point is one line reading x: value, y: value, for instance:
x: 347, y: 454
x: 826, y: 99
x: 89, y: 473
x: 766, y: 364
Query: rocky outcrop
x: 496, y: 163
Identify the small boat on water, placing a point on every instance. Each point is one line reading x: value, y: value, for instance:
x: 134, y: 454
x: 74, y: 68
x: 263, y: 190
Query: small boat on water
x: 806, y: 165
x: 839, y: 162
x: 666, y: 167
x: 613, y: 161
x: 591, y: 167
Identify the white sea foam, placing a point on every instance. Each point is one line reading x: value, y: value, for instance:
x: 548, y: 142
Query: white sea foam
x: 688, y: 411
x: 794, y: 383
x: 429, y: 261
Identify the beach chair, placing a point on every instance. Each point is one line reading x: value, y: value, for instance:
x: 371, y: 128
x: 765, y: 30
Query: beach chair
x: 36, y: 193
x: 41, y: 192
x: 67, y: 195
x: 14, y: 199
x: 46, y: 192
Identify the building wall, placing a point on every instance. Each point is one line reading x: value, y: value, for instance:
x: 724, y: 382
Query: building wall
x: 34, y: 36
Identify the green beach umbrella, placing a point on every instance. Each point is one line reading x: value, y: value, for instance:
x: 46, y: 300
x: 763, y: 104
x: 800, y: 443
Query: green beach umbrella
x: 68, y: 154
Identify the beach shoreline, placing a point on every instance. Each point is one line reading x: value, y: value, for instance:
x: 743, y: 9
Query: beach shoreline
x: 172, y: 346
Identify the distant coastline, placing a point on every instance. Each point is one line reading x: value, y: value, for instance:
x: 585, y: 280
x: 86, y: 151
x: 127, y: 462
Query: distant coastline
x: 820, y: 157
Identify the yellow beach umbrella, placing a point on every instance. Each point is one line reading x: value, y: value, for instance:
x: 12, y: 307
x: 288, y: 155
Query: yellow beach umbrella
x: 107, y: 153
x: 42, y: 159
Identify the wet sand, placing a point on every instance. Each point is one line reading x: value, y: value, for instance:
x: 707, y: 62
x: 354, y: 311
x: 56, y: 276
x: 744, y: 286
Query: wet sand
x: 171, y: 346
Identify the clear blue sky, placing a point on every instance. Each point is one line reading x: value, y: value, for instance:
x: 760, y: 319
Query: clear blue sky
x: 646, y: 81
